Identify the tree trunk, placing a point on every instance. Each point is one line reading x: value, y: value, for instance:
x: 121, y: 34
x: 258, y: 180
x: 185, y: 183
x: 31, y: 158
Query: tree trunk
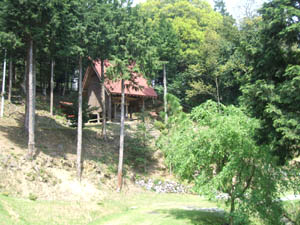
x: 31, y: 102
x: 103, y: 101
x: 14, y: 73
x: 232, y: 207
x: 231, y: 218
x: 10, y: 79
x: 165, y: 94
x: 26, y: 88
x: 120, y: 166
x: 218, y: 94
x: 3, y: 85
x: 24, y: 83
x: 51, y: 86
x: 79, y: 125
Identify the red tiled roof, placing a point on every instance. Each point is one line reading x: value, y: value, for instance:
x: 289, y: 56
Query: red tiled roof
x: 137, y: 87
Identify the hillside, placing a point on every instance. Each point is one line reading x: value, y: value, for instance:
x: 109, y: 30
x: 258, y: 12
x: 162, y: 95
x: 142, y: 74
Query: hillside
x: 52, y: 174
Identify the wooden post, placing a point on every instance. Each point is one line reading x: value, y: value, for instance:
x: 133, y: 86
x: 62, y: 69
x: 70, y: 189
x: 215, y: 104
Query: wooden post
x: 130, y: 113
x: 115, y: 111
x: 143, y: 105
x: 109, y: 107
x: 98, y: 117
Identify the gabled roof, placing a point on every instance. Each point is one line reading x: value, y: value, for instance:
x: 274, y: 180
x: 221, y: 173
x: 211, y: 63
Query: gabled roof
x: 137, y: 87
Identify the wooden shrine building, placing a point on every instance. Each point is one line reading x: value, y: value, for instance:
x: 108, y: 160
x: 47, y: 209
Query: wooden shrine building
x: 136, y: 92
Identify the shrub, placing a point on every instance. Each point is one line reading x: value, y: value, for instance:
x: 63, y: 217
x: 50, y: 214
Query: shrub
x: 159, y: 125
x: 32, y: 197
x: 215, y: 147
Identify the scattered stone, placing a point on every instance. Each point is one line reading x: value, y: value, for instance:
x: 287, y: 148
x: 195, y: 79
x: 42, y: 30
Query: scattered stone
x: 211, y: 210
x: 222, y: 196
x: 162, y: 187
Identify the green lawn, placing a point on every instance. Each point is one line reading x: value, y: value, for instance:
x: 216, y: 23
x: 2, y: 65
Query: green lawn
x: 143, y: 208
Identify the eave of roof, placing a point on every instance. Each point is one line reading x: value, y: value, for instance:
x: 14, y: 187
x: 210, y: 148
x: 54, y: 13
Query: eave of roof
x: 137, y: 87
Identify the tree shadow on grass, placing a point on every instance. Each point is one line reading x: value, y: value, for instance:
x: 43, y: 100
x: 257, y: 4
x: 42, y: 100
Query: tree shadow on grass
x: 197, y: 217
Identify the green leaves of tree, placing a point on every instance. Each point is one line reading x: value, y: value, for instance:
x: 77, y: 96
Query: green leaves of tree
x: 271, y: 88
x: 215, y: 148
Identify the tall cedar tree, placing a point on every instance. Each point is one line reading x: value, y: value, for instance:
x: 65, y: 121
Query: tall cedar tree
x: 77, y: 16
x: 26, y: 19
x: 131, y: 47
x: 101, y: 33
x: 271, y: 89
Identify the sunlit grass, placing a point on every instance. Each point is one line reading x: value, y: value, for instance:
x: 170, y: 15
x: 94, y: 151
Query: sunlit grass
x: 144, y: 208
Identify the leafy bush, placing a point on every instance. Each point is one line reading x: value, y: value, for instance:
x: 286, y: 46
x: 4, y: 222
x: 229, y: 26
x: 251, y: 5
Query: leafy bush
x: 215, y: 148
x: 159, y: 125
x: 138, y: 150
x: 32, y: 197
x: 293, y: 209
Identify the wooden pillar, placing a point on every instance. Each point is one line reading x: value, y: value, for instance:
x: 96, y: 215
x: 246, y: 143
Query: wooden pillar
x: 109, y: 107
x: 115, y: 111
x: 130, y: 113
x: 143, y: 105
x: 98, y: 117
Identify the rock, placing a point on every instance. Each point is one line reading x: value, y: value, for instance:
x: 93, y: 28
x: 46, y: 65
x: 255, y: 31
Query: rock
x: 162, y: 187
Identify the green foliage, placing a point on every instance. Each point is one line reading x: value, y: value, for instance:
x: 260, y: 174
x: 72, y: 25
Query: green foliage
x: 159, y: 125
x: 32, y: 197
x: 271, y: 87
x: 138, y: 147
x: 215, y: 148
x: 293, y: 209
x: 198, y: 41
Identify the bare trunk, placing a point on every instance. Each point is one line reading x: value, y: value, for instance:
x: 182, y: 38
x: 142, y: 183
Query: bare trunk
x: 24, y: 83
x: 31, y: 102
x: 14, y: 73
x: 120, y: 166
x: 51, y: 86
x: 231, y: 218
x: 10, y: 79
x: 165, y: 94
x: 103, y: 101
x: 26, y: 87
x: 3, y: 85
x: 79, y: 125
x: 218, y: 94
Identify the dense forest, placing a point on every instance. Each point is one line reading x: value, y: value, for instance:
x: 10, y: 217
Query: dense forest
x: 231, y: 123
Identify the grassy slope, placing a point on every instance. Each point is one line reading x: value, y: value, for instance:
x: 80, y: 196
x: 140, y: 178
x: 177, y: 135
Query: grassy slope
x: 145, y: 208
x: 55, y: 143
